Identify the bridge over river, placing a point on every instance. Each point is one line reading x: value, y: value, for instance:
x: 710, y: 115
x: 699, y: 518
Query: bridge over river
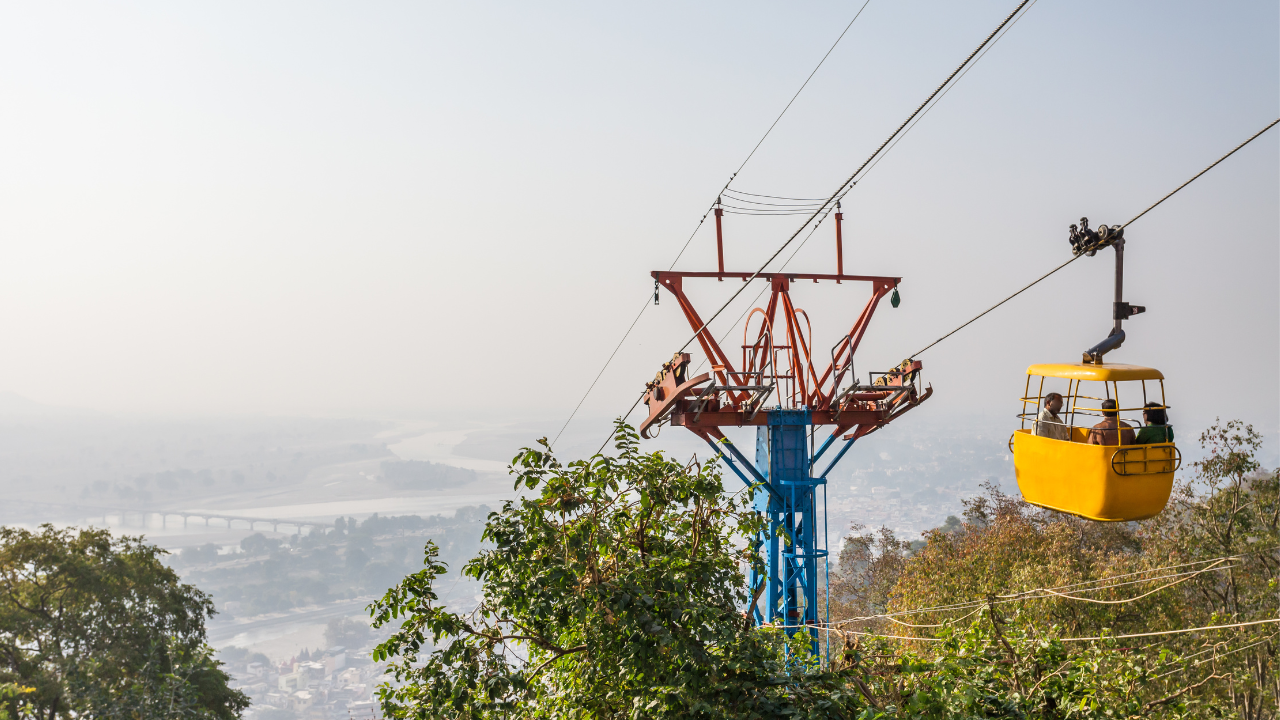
x: 143, y: 518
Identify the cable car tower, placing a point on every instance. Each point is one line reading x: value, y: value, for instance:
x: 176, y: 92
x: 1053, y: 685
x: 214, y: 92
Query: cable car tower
x: 777, y: 387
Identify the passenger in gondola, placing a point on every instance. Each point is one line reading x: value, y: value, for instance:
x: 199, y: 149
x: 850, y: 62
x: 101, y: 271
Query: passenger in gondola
x: 1106, y: 432
x: 1157, y: 429
x: 1048, y: 423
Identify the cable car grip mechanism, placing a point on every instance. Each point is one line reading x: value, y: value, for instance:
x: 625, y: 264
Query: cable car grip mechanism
x: 1086, y: 241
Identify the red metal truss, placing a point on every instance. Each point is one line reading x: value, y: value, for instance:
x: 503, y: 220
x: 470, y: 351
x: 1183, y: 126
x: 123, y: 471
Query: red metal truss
x: 778, y: 360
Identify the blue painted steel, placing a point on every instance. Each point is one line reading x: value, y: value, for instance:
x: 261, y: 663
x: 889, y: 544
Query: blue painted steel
x: 756, y: 477
x: 794, y: 541
x: 847, y: 444
x: 826, y: 444
x: 791, y: 542
x: 733, y: 465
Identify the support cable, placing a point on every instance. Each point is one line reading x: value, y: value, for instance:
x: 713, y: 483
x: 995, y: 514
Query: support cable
x: 744, y: 313
x: 844, y: 187
x: 1038, y: 594
x: 869, y: 168
x: 993, y: 307
x: 732, y: 191
x: 1098, y: 584
x: 852, y: 178
x: 1172, y: 632
x: 1193, y: 178
x: 1216, y: 657
x: 948, y: 90
x: 592, y: 386
x: 784, y: 206
x: 703, y: 219
x: 1077, y: 257
x: 1178, y: 631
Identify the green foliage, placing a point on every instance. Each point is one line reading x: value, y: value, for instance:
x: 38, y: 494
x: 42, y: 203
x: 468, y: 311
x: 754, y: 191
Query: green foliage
x: 11, y: 695
x: 1007, y: 546
x: 1231, y: 508
x: 1011, y: 670
x: 613, y: 591
x: 1218, y: 534
x: 97, y: 626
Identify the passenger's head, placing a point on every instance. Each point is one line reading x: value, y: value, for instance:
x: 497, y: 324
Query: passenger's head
x: 1154, y: 413
x: 1053, y: 401
x: 1109, y: 409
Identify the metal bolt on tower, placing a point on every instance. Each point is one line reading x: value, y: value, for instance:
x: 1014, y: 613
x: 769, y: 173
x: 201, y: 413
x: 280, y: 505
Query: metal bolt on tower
x: 777, y: 363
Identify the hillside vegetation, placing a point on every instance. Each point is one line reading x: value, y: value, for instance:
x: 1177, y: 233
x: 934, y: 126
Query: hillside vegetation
x: 95, y: 626
x: 1036, y: 576
x: 615, y: 589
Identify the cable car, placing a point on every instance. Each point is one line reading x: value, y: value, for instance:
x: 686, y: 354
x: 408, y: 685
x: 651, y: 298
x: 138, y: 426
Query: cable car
x: 1073, y: 468
x: 1106, y: 482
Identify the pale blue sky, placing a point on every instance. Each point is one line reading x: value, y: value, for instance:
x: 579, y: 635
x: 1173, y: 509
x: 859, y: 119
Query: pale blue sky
x: 419, y: 209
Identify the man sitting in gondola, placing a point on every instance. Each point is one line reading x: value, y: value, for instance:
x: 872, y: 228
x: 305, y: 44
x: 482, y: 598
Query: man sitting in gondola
x: 1048, y: 424
x: 1105, y: 432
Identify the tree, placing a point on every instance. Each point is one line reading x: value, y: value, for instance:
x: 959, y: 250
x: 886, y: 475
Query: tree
x: 1209, y: 559
x: 998, y: 667
x: 259, y: 544
x: 200, y: 554
x: 615, y: 588
x: 614, y: 591
x: 1231, y: 508
x: 346, y: 632
x: 98, y: 626
x: 869, y: 567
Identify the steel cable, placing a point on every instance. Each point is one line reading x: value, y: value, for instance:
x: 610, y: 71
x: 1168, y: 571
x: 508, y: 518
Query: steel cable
x: 1215, y: 658
x: 870, y: 167
x: 600, y: 374
x: 1077, y: 257
x: 1074, y: 639
x: 1075, y: 587
x: 844, y: 187
x: 781, y: 205
x: 732, y: 191
x: 1224, y: 157
x: 854, y: 176
x: 1038, y: 593
x: 704, y: 219
x: 948, y: 90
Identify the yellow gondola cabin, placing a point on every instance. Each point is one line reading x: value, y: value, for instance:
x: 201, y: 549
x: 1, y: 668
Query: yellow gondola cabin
x: 1100, y: 482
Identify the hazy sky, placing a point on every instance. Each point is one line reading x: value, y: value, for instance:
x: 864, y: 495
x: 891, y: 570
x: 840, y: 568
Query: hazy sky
x: 428, y: 208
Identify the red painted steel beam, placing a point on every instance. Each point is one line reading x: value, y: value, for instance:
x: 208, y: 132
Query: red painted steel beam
x: 720, y: 239
x: 849, y: 345
x: 928, y: 391
x: 727, y: 418
x: 659, y: 274
x: 705, y: 338
x: 807, y: 387
x: 839, y: 245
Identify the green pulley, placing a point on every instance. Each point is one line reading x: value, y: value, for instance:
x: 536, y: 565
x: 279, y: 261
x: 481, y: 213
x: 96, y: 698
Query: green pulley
x: 894, y: 299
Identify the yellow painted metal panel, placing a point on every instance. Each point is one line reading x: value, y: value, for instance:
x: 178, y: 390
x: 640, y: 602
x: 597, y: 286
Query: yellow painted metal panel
x: 1098, y: 373
x: 1080, y: 479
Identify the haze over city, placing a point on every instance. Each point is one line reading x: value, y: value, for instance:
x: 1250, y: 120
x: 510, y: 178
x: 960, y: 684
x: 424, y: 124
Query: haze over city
x: 319, y: 263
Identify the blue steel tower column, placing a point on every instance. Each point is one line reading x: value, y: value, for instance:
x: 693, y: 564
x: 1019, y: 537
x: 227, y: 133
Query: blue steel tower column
x: 782, y: 457
x: 792, y: 501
